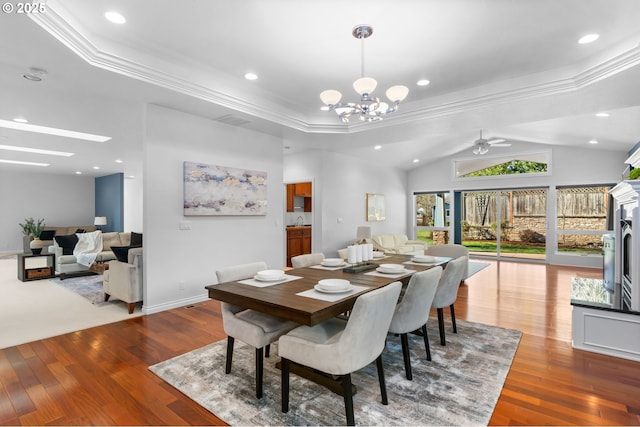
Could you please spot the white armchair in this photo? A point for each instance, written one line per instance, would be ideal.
(123, 280)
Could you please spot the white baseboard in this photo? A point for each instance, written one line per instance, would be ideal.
(150, 309)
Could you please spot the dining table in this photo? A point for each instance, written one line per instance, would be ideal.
(296, 296)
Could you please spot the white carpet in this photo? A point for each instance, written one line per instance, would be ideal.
(40, 309)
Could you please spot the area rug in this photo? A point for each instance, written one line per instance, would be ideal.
(460, 386)
(90, 287)
(476, 266)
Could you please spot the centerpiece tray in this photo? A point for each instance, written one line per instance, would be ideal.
(359, 268)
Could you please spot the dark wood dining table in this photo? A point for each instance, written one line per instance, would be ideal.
(281, 300)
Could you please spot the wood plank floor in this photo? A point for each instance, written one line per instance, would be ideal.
(100, 376)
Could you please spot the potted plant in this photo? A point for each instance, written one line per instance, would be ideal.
(634, 173)
(32, 229)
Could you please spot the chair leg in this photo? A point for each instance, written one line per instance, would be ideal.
(259, 369)
(441, 326)
(230, 341)
(348, 399)
(426, 341)
(406, 356)
(284, 375)
(383, 384)
(453, 319)
(267, 350)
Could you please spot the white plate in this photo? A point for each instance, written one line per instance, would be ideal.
(269, 279)
(332, 262)
(334, 284)
(424, 258)
(269, 274)
(387, 271)
(337, 291)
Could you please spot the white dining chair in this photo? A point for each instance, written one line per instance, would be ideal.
(339, 347)
(249, 326)
(447, 293)
(450, 251)
(412, 312)
(307, 260)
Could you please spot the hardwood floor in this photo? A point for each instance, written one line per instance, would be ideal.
(100, 376)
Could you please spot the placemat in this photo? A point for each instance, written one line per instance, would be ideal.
(260, 284)
(406, 272)
(312, 293)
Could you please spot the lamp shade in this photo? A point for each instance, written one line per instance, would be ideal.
(365, 85)
(330, 97)
(397, 93)
(100, 220)
(363, 232)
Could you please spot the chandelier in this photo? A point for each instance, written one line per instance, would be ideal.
(369, 108)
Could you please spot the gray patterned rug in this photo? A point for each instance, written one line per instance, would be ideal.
(89, 287)
(459, 387)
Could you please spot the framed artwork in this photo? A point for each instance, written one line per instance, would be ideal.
(375, 207)
(221, 190)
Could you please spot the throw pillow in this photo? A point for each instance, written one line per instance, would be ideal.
(122, 252)
(67, 243)
(47, 234)
(136, 239)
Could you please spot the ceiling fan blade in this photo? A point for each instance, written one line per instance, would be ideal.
(500, 145)
(495, 140)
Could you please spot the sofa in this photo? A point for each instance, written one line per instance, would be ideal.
(67, 263)
(123, 280)
(49, 233)
(397, 244)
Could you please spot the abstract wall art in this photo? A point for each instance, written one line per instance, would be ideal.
(221, 190)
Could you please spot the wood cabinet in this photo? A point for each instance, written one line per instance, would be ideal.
(298, 242)
(302, 189)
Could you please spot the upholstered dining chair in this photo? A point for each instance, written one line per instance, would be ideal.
(412, 312)
(340, 347)
(252, 327)
(307, 260)
(451, 251)
(447, 293)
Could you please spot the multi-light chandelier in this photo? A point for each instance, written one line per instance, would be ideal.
(369, 109)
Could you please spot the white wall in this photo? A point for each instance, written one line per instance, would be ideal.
(340, 187)
(189, 258)
(60, 199)
(570, 166)
(133, 191)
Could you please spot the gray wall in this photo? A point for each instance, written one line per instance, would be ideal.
(60, 199)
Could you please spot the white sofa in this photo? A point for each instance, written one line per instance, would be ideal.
(397, 244)
(68, 264)
(123, 280)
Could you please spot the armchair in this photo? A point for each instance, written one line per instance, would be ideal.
(123, 280)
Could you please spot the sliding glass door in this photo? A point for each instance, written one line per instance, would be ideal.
(505, 223)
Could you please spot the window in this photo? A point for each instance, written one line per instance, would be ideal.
(432, 217)
(486, 166)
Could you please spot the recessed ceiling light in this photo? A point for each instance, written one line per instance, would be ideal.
(131, 176)
(593, 141)
(589, 38)
(251, 76)
(96, 167)
(35, 151)
(17, 162)
(602, 114)
(118, 161)
(35, 74)
(20, 119)
(78, 173)
(416, 160)
(423, 82)
(324, 108)
(53, 131)
(115, 17)
(377, 147)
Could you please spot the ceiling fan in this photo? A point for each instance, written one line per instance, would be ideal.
(481, 145)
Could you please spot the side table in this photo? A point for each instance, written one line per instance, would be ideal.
(26, 272)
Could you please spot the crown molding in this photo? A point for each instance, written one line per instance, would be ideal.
(66, 33)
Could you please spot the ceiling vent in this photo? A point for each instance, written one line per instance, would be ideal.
(232, 120)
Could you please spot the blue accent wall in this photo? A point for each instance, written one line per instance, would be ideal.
(109, 192)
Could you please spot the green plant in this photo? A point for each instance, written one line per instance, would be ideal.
(32, 228)
(634, 173)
